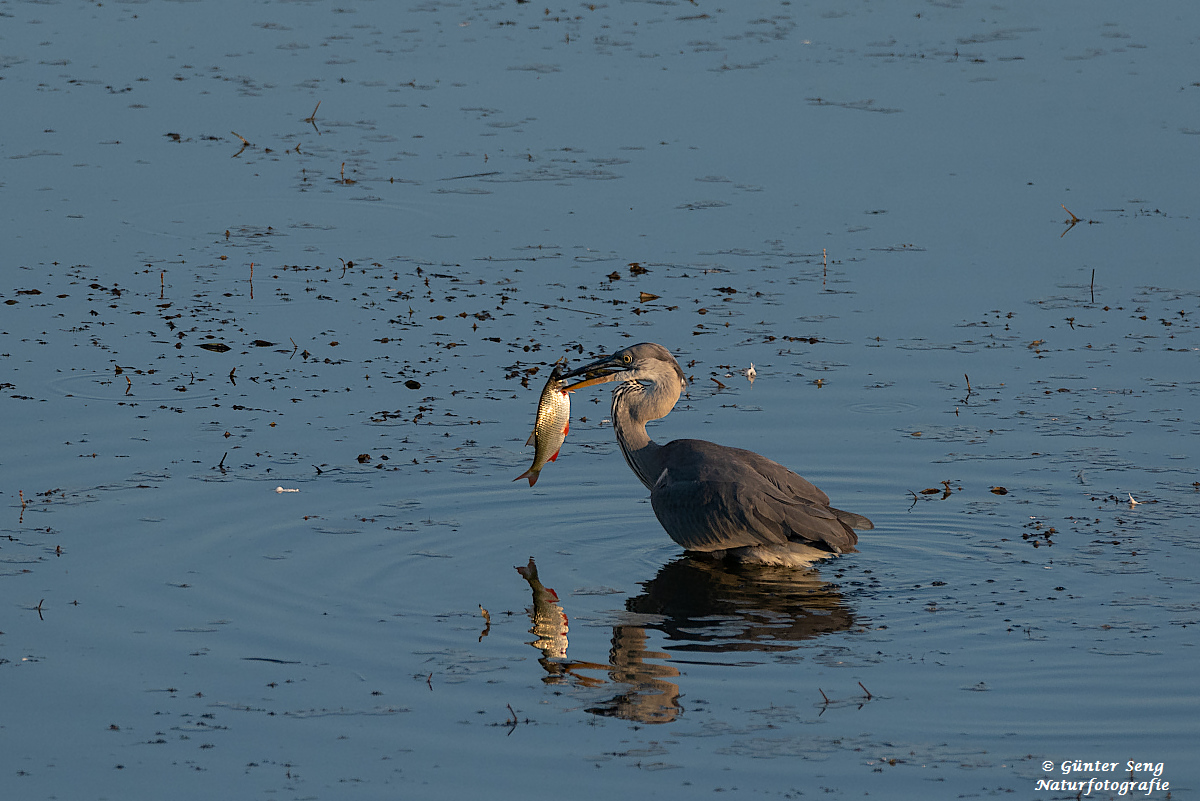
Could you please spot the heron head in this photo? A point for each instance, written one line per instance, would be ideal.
(644, 362)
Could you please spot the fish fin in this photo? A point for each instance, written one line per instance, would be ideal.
(532, 438)
(566, 428)
(529, 474)
(553, 458)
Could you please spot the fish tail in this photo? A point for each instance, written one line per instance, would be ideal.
(530, 474)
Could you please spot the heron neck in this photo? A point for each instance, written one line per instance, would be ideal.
(641, 453)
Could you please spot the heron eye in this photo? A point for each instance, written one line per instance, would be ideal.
(627, 358)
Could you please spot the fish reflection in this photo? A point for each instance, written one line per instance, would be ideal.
(700, 606)
(547, 616)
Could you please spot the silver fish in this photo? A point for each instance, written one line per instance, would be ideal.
(550, 429)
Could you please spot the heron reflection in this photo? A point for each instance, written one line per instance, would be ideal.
(700, 607)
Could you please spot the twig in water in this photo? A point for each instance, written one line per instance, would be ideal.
(552, 306)
(1071, 223)
(311, 119)
(39, 609)
(1093, 285)
(865, 690)
(472, 175)
(487, 618)
(429, 681)
(245, 144)
(221, 464)
(823, 695)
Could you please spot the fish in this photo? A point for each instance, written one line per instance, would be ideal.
(552, 424)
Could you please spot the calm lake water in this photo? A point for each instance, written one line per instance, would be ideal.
(280, 289)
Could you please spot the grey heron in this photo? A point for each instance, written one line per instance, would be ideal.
(711, 498)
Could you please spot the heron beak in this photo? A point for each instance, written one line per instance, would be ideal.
(600, 371)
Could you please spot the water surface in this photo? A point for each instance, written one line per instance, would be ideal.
(215, 289)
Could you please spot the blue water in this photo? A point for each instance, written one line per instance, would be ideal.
(262, 571)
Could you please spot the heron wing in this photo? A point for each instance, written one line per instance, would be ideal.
(707, 515)
(710, 497)
(796, 486)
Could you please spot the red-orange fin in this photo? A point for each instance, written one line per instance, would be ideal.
(554, 457)
(529, 474)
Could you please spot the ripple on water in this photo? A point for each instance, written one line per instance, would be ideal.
(304, 221)
(110, 387)
(883, 407)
